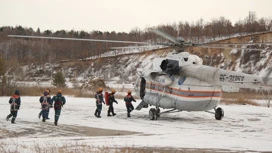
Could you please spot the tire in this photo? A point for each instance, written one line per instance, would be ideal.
(219, 113)
(152, 113)
(158, 112)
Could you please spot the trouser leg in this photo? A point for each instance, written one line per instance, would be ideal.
(96, 112)
(128, 111)
(40, 114)
(9, 115)
(110, 110)
(14, 115)
(57, 114)
(99, 108)
(47, 113)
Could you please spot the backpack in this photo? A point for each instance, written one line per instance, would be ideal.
(44, 101)
(13, 105)
(58, 103)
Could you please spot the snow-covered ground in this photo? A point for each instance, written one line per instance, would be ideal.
(244, 128)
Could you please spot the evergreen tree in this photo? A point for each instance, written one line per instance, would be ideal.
(59, 80)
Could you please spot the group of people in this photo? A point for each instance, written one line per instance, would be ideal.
(111, 99)
(58, 101)
(46, 103)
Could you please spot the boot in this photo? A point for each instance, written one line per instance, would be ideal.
(56, 123)
(8, 117)
(43, 119)
(113, 114)
(13, 120)
(128, 115)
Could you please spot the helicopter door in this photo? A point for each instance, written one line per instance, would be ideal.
(142, 88)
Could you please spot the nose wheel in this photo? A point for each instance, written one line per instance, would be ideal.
(219, 113)
(154, 113)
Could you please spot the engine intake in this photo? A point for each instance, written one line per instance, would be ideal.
(170, 66)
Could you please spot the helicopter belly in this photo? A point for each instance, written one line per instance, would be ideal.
(157, 100)
(185, 104)
(196, 105)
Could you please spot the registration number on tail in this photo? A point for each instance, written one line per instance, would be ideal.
(231, 78)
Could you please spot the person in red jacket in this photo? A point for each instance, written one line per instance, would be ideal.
(128, 99)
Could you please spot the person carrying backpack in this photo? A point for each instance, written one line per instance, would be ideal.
(99, 100)
(111, 100)
(15, 103)
(45, 101)
(58, 101)
(128, 99)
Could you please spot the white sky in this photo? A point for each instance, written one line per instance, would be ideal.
(122, 15)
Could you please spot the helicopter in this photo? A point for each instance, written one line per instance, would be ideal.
(181, 82)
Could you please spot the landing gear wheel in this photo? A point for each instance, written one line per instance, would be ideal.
(219, 113)
(152, 114)
(158, 112)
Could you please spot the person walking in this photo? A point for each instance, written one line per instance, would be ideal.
(45, 101)
(15, 103)
(99, 100)
(58, 101)
(111, 100)
(128, 99)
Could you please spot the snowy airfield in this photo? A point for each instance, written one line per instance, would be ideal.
(243, 129)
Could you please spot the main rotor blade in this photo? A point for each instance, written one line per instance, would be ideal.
(77, 39)
(231, 48)
(253, 43)
(165, 35)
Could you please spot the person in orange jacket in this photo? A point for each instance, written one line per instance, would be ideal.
(128, 99)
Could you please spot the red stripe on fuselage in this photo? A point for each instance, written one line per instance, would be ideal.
(215, 94)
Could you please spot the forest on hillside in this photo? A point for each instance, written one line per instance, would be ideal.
(27, 51)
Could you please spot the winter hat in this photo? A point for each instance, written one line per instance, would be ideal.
(59, 91)
(17, 92)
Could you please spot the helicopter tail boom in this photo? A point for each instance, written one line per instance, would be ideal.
(222, 77)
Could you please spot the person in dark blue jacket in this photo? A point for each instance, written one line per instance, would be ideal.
(58, 101)
(128, 99)
(45, 101)
(111, 100)
(99, 100)
(15, 103)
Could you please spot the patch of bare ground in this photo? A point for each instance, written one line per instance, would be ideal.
(244, 97)
(240, 101)
(45, 130)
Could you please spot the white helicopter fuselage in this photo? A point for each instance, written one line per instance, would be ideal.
(183, 83)
(184, 93)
